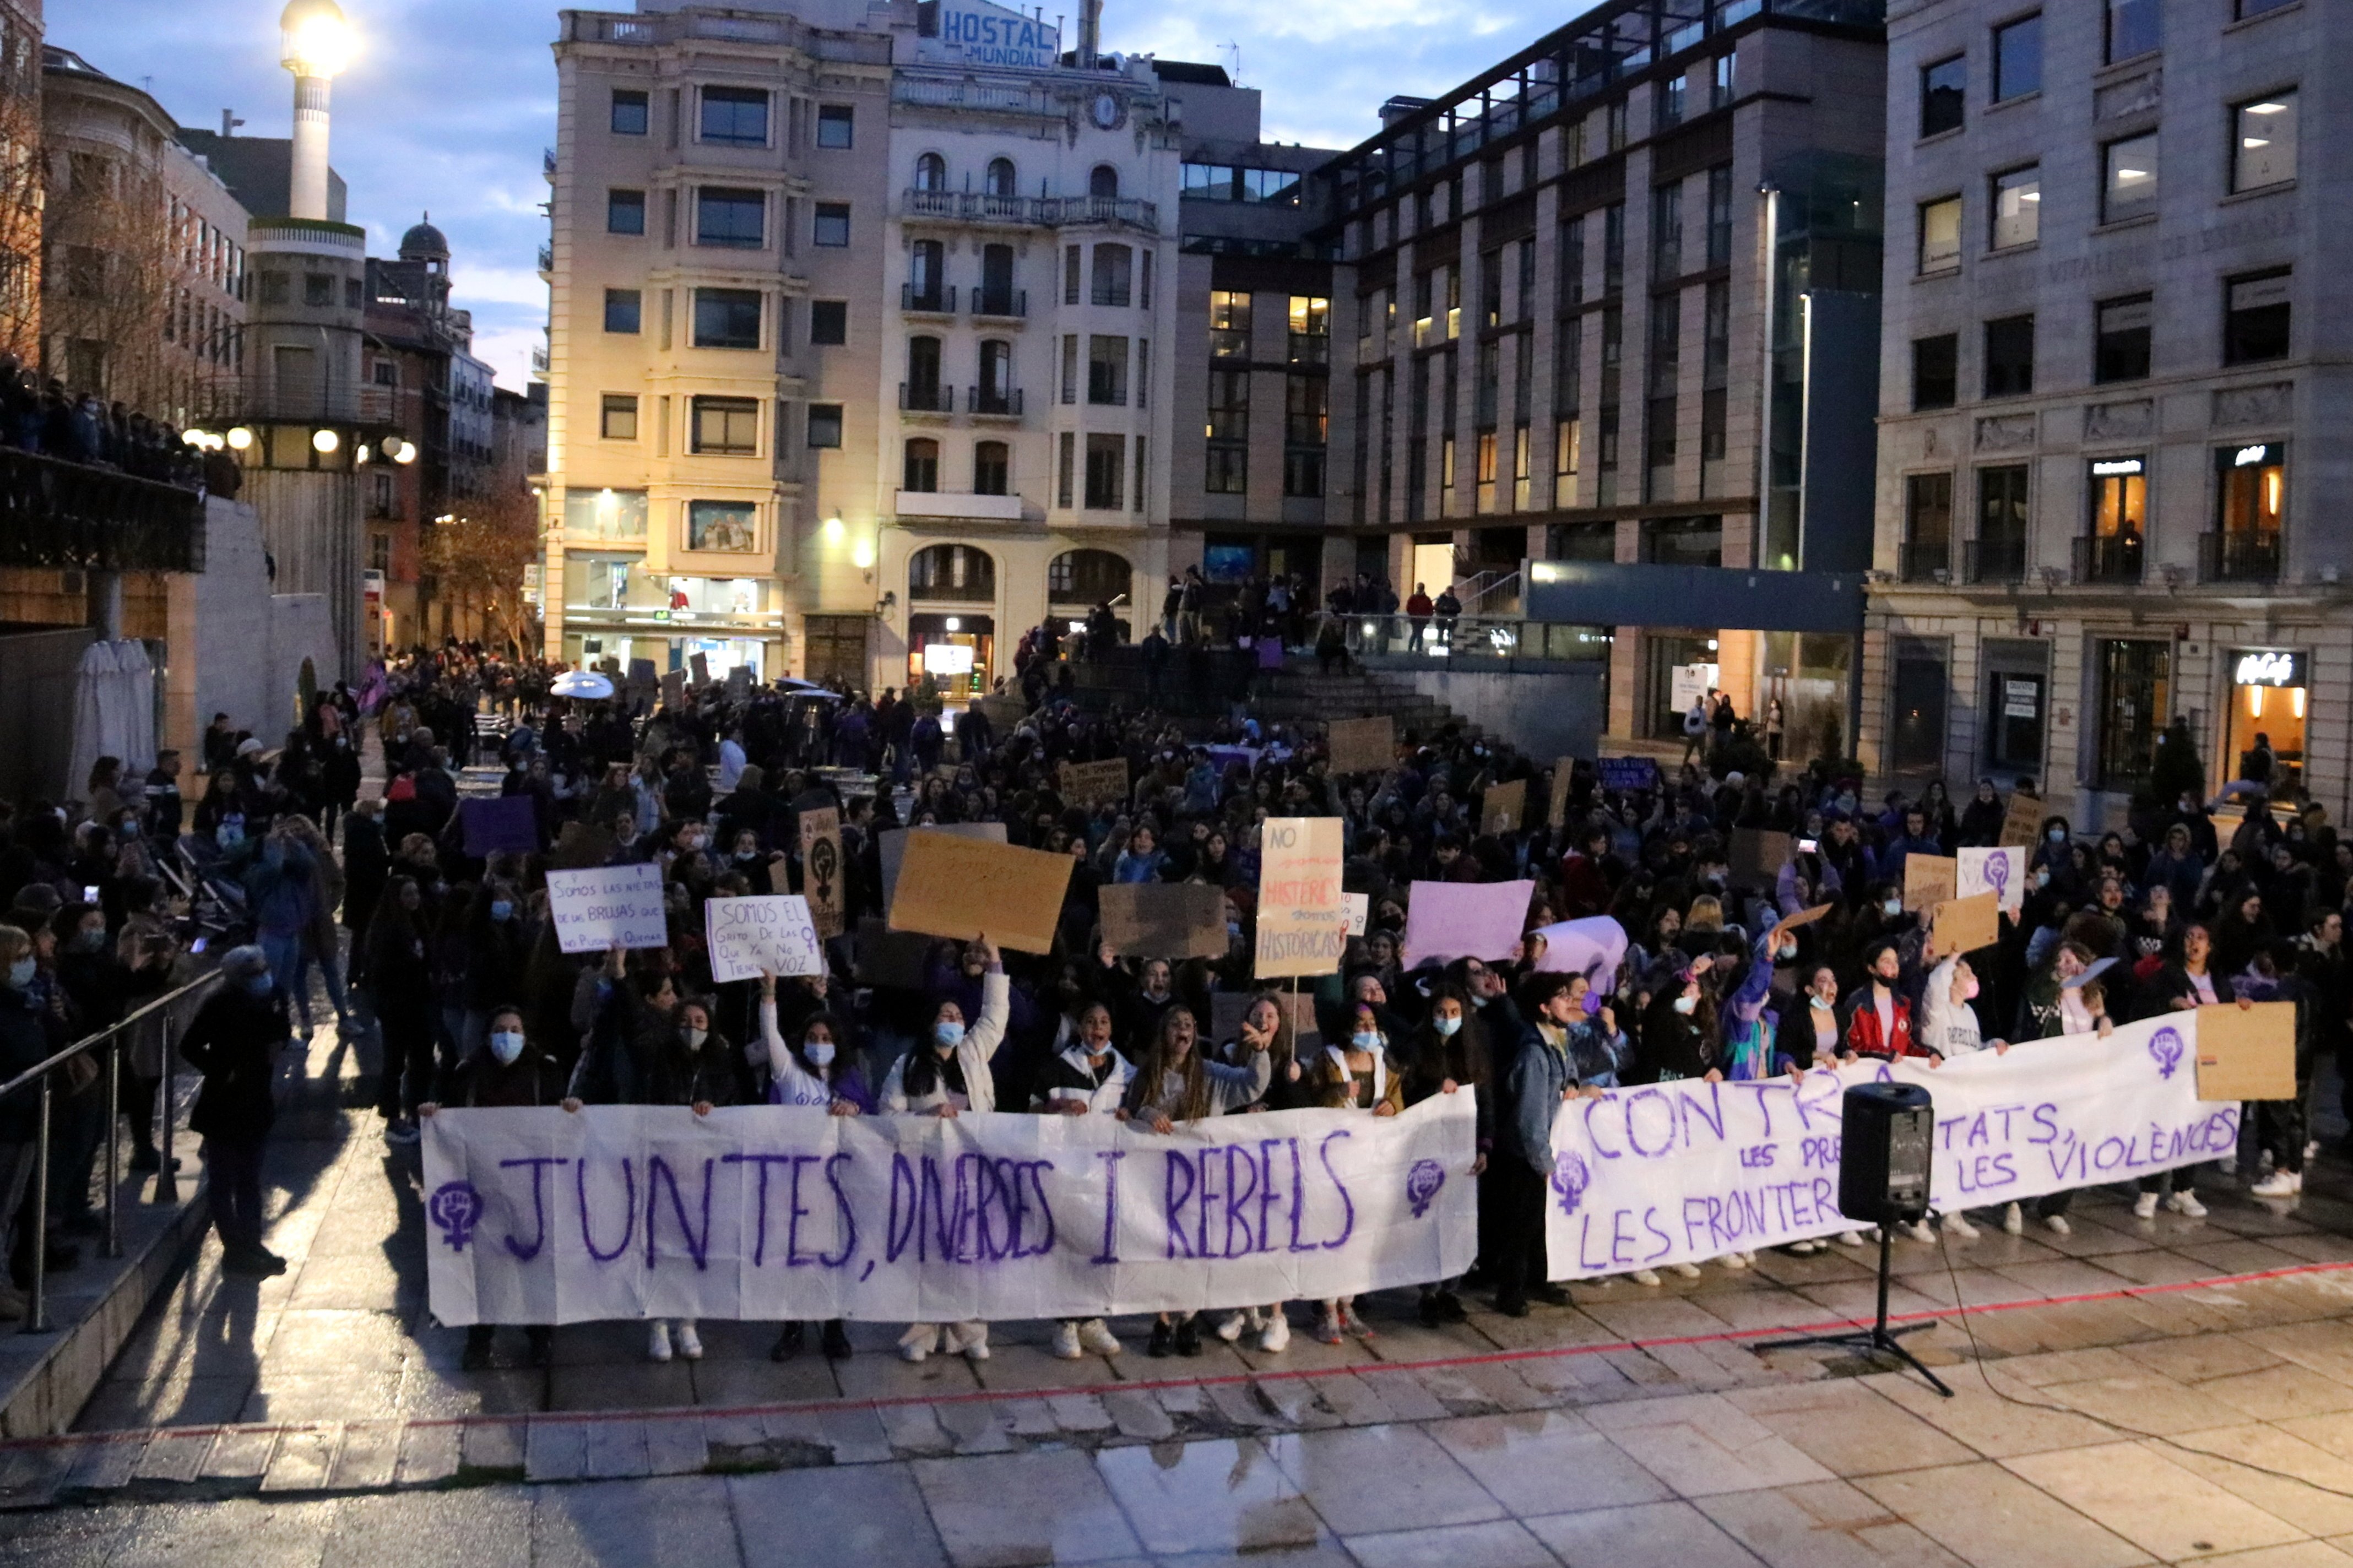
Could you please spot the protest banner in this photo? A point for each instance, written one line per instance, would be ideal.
(1446, 920)
(1094, 783)
(1360, 912)
(781, 1213)
(1501, 808)
(1164, 920)
(1627, 773)
(894, 846)
(607, 905)
(701, 665)
(1594, 947)
(885, 957)
(746, 936)
(1758, 854)
(2021, 821)
(1682, 1171)
(821, 870)
(1363, 745)
(1963, 925)
(2001, 872)
(582, 844)
(2247, 1053)
(673, 689)
(1564, 773)
(962, 888)
(1302, 926)
(1927, 880)
(508, 824)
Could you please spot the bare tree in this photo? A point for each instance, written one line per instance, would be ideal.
(110, 274)
(476, 561)
(22, 178)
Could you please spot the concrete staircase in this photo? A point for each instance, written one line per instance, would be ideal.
(1301, 692)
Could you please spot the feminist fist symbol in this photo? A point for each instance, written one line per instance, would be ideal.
(1997, 873)
(1422, 1184)
(456, 1207)
(2165, 1046)
(1569, 1180)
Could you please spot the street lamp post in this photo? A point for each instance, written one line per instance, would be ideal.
(316, 44)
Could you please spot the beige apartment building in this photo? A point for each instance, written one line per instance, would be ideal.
(852, 337)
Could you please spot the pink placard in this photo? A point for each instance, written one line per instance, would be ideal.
(1446, 920)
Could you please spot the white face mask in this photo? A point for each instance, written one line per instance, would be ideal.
(819, 1052)
(695, 1039)
(1819, 1000)
(1892, 908)
(1687, 1005)
(506, 1045)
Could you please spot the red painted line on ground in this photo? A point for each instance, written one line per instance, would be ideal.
(1487, 1358)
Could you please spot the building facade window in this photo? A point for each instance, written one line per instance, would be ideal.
(824, 425)
(726, 526)
(1940, 234)
(2018, 207)
(2132, 28)
(2121, 351)
(1306, 427)
(625, 213)
(726, 318)
(1066, 466)
(1230, 324)
(2250, 501)
(2255, 317)
(836, 124)
(735, 116)
(1311, 329)
(831, 225)
(1229, 432)
(727, 427)
(2129, 184)
(731, 219)
(931, 172)
(828, 323)
(2018, 59)
(2009, 356)
(921, 467)
(1572, 263)
(629, 112)
(624, 311)
(2264, 146)
(1944, 94)
(1000, 179)
(620, 417)
(1935, 372)
(992, 469)
(1106, 472)
(1719, 216)
(1106, 371)
(1667, 104)
(1667, 232)
(1999, 548)
(1927, 527)
(1720, 82)
(2136, 682)
(1114, 274)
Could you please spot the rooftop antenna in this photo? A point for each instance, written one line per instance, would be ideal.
(1235, 44)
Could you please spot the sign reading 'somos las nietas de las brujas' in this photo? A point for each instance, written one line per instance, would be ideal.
(969, 32)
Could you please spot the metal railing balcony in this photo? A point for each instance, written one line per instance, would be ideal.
(1925, 561)
(998, 404)
(2239, 555)
(926, 399)
(933, 301)
(1994, 559)
(62, 516)
(1008, 305)
(2109, 558)
(1032, 212)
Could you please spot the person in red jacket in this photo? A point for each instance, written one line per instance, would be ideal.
(1880, 1024)
(1584, 885)
(1418, 611)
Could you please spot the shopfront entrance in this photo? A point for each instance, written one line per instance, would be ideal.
(975, 635)
(2266, 710)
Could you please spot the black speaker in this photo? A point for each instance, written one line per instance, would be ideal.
(1884, 1153)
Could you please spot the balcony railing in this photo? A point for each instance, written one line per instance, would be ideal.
(59, 515)
(1032, 212)
(650, 31)
(230, 398)
(926, 399)
(2239, 555)
(2109, 558)
(933, 301)
(1920, 561)
(1001, 404)
(1995, 560)
(1009, 304)
(547, 162)
(546, 259)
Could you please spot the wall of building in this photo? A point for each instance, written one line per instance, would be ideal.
(245, 644)
(1547, 712)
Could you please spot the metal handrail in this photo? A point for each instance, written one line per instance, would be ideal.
(167, 1188)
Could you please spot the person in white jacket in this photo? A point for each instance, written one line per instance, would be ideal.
(1949, 1030)
(947, 1076)
(1088, 1077)
(813, 1073)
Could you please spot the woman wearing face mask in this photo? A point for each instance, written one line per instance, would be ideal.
(98, 987)
(1358, 1076)
(1264, 1028)
(1446, 1054)
(507, 1071)
(1087, 1078)
(1949, 1030)
(232, 1041)
(2191, 981)
(1174, 1082)
(1807, 1036)
(943, 1076)
(400, 990)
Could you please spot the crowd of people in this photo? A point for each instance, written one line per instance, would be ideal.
(81, 427)
(456, 984)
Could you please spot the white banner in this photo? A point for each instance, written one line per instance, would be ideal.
(2001, 872)
(773, 1213)
(1682, 1171)
(594, 910)
(774, 934)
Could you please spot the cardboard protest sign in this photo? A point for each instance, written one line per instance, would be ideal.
(1564, 772)
(1964, 925)
(1627, 773)
(701, 665)
(953, 885)
(1164, 920)
(582, 844)
(1360, 912)
(749, 936)
(673, 689)
(596, 910)
(1446, 920)
(1092, 784)
(2247, 1053)
(1002, 713)
(822, 868)
(508, 823)
(2021, 821)
(1500, 807)
(1363, 745)
(1302, 926)
(1927, 880)
(2001, 872)
(887, 957)
(894, 846)
(1757, 855)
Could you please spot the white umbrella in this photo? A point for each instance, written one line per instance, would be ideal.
(582, 683)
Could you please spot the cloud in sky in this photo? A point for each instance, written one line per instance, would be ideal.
(449, 101)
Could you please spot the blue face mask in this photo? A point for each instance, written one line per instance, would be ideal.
(1365, 1040)
(20, 973)
(501, 910)
(1445, 1027)
(257, 986)
(947, 1036)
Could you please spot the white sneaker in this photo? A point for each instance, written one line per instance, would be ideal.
(658, 1342)
(1231, 1329)
(1959, 1224)
(2145, 1207)
(1804, 1249)
(916, 1343)
(2058, 1224)
(1688, 1270)
(1096, 1336)
(2310, 1149)
(2185, 1204)
(1918, 1231)
(1066, 1341)
(1276, 1335)
(1645, 1276)
(689, 1343)
(1733, 1260)
(2014, 1221)
(2278, 1185)
(973, 1341)
(1849, 1238)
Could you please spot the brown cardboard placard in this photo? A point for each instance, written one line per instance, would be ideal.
(885, 957)
(581, 846)
(1164, 920)
(2247, 1053)
(1363, 745)
(1928, 880)
(701, 665)
(1757, 853)
(1562, 773)
(1092, 784)
(2021, 821)
(894, 845)
(822, 870)
(1501, 808)
(1964, 925)
(957, 887)
(1303, 925)
(673, 687)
